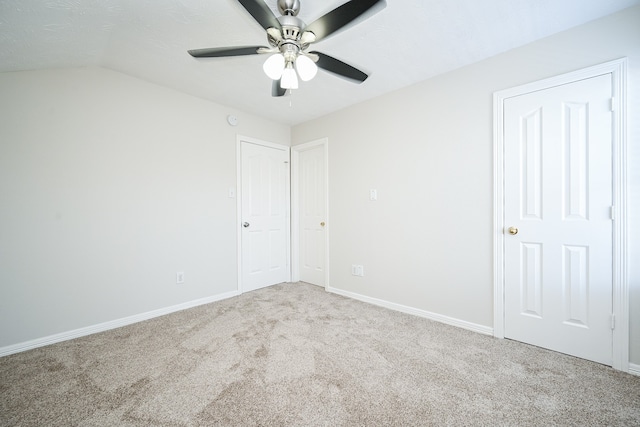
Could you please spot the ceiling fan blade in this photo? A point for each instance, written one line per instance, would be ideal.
(276, 90)
(341, 17)
(338, 67)
(261, 13)
(216, 52)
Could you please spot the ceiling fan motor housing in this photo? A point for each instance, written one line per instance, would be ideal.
(291, 27)
(289, 45)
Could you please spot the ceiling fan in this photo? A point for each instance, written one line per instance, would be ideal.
(290, 39)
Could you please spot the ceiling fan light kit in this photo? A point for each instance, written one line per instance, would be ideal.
(289, 79)
(274, 66)
(307, 69)
(290, 38)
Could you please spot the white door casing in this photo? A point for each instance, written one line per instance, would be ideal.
(563, 248)
(263, 206)
(310, 212)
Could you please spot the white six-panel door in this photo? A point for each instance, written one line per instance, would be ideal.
(264, 215)
(557, 216)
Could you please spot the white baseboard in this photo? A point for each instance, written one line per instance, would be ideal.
(486, 330)
(634, 369)
(101, 327)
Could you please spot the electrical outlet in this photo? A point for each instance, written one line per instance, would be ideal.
(180, 277)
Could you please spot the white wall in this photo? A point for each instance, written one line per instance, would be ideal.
(108, 186)
(427, 242)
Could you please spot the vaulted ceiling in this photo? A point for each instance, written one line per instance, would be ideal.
(408, 41)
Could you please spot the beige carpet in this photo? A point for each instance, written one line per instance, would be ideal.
(294, 355)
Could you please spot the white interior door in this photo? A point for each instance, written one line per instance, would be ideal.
(312, 221)
(558, 199)
(264, 215)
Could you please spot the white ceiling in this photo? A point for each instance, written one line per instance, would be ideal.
(408, 41)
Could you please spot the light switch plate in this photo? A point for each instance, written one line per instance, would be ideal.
(357, 270)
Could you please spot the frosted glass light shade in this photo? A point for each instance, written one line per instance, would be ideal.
(289, 78)
(307, 69)
(274, 66)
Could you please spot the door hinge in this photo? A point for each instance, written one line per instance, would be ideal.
(613, 212)
(613, 104)
(613, 321)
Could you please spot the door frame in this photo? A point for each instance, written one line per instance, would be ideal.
(295, 207)
(239, 140)
(618, 70)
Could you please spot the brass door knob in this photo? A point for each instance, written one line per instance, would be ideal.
(513, 231)
(322, 224)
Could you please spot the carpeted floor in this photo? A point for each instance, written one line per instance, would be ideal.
(294, 355)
